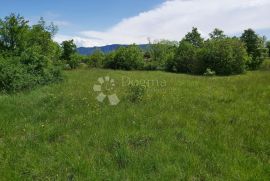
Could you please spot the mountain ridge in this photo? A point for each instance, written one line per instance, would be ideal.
(105, 49)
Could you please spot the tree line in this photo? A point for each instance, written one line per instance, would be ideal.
(219, 54)
(29, 56)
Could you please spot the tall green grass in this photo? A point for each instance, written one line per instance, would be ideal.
(194, 128)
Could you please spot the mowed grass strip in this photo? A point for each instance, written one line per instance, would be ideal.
(193, 128)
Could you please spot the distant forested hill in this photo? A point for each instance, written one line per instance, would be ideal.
(105, 49)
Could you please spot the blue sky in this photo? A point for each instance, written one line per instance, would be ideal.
(78, 15)
(101, 22)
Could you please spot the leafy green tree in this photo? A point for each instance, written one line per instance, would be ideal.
(128, 58)
(194, 37)
(14, 75)
(84, 59)
(217, 34)
(28, 54)
(96, 59)
(74, 61)
(41, 36)
(185, 58)
(160, 52)
(109, 60)
(255, 48)
(268, 47)
(69, 48)
(252, 41)
(224, 57)
(13, 32)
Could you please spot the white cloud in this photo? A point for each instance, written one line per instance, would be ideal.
(85, 42)
(173, 19)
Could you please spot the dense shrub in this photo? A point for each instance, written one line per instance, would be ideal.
(74, 61)
(151, 65)
(220, 54)
(185, 58)
(34, 61)
(96, 59)
(257, 58)
(84, 59)
(109, 60)
(265, 65)
(268, 47)
(126, 58)
(170, 65)
(14, 76)
(158, 54)
(135, 93)
(28, 54)
(225, 56)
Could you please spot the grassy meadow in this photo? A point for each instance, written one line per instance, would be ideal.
(192, 128)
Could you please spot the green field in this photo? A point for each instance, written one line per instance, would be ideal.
(194, 128)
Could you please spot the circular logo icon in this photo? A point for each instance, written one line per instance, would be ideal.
(106, 89)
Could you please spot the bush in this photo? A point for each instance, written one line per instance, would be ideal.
(136, 93)
(85, 59)
(158, 54)
(96, 59)
(51, 74)
(29, 55)
(186, 59)
(268, 47)
(74, 61)
(109, 60)
(151, 65)
(34, 61)
(14, 76)
(224, 56)
(127, 58)
(265, 65)
(257, 58)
